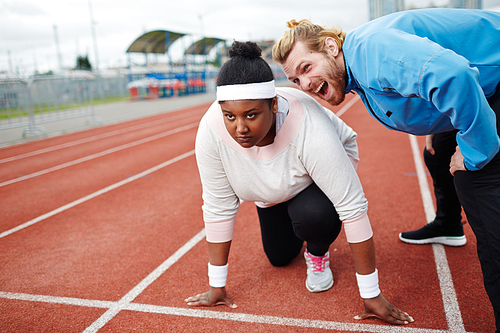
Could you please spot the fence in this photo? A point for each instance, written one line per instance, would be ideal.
(14, 103)
(42, 99)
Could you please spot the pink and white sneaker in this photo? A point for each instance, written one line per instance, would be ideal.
(319, 274)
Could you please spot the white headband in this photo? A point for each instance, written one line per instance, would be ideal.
(235, 92)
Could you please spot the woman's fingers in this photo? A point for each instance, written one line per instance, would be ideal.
(228, 303)
(399, 317)
(205, 299)
(393, 318)
(380, 308)
(200, 299)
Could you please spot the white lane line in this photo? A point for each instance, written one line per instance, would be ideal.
(348, 105)
(132, 294)
(450, 302)
(97, 137)
(273, 320)
(100, 154)
(58, 300)
(210, 314)
(95, 194)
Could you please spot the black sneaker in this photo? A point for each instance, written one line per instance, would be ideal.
(431, 233)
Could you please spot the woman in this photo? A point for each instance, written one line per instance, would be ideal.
(296, 160)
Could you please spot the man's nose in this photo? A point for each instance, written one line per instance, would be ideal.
(305, 83)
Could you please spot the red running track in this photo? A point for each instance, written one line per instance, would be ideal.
(101, 231)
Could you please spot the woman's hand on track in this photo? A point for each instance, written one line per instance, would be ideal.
(215, 296)
(379, 307)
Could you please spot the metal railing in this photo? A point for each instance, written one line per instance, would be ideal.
(56, 98)
(14, 103)
(42, 99)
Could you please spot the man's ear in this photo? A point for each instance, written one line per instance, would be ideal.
(331, 46)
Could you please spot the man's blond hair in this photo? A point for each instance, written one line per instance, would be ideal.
(312, 35)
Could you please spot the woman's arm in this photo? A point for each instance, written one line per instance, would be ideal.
(364, 256)
(218, 254)
(364, 261)
(220, 205)
(327, 162)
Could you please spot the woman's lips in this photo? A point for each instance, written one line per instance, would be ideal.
(244, 139)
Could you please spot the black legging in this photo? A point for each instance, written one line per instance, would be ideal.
(309, 216)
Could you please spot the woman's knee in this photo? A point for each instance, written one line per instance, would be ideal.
(280, 259)
(320, 228)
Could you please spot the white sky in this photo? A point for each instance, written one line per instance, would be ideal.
(27, 26)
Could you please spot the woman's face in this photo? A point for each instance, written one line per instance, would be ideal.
(250, 122)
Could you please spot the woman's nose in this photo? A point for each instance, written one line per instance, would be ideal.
(241, 126)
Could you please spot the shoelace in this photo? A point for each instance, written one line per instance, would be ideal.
(318, 263)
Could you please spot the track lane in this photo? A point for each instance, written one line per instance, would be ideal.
(97, 136)
(44, 143)
(114, 148)
(102, 248)
(20, 168)
(55, 189)
(392, 209)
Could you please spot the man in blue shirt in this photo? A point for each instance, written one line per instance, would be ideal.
(432, 71)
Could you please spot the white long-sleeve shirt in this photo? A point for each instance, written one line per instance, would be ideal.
(312, 145)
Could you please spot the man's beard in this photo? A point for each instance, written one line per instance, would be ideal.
(336, 79)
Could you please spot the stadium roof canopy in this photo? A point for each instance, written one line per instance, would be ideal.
(157, 41)
(203, 46)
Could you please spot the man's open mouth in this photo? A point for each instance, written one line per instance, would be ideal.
(322, 89)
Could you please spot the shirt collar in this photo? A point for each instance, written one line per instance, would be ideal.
(351, 82)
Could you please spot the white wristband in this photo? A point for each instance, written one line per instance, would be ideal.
(217, 275)
(368, 285)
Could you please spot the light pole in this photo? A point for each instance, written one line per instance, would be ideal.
(92, 25)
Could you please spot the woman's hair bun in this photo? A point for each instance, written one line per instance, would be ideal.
(245, 65)
(246, 50)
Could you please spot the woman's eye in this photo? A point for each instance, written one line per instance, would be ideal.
(251, 115)
(229, 116)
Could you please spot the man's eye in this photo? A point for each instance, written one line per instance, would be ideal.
(306, 67)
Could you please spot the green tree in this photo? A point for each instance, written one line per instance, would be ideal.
(83, 63)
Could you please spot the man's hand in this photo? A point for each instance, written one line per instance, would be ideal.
(380, 308)
(428, 144)
(457, 162)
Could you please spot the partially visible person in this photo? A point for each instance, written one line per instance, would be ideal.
(447, 227)
(296, 160)
(423, 72)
